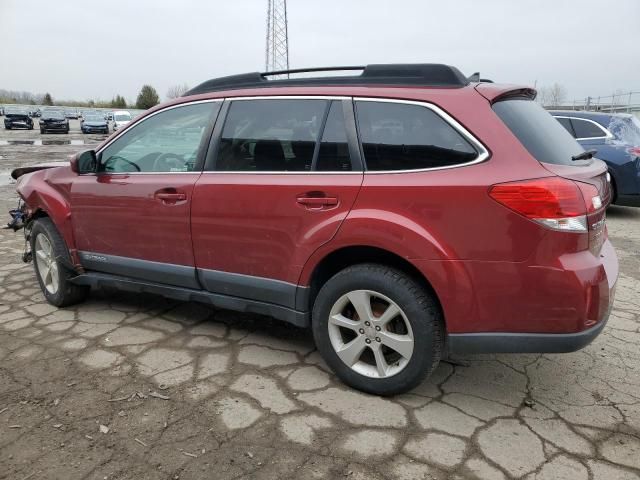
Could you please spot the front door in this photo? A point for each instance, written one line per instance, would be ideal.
(280, 184)
(132, 217)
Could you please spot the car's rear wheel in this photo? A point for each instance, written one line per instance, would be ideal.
(49, 251)
(378, 329)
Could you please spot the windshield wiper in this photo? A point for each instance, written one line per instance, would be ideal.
(586, 155)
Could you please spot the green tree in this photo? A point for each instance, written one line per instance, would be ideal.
(47, 100)
(119, 102)
(147, 98)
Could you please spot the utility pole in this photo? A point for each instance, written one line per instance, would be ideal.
(277, 48)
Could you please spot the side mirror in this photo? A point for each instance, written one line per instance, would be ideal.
(85, 162)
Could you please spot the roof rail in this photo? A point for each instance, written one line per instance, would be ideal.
(411, 74)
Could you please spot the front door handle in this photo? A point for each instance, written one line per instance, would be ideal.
(170, 195)
(317, 203)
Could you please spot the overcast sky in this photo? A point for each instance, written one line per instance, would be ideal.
(77, 49)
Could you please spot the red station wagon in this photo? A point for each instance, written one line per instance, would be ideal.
(403, 214)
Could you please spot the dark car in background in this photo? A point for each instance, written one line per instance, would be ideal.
(54, 121)
(94, 123)
(71, 113)
(16, 117)
(616, 138)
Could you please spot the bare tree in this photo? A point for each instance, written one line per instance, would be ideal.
(553, 96)
(176, 91)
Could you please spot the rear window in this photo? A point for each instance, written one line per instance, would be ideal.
(538, 131)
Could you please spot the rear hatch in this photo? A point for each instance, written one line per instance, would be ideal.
(555, 149)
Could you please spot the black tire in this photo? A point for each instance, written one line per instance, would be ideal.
(41, 131)
(421, 311)
(7, 127)
(67, 293)
(31, 127)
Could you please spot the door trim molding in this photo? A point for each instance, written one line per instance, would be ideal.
(135, 268)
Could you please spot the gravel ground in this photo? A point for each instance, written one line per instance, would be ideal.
(139, 387)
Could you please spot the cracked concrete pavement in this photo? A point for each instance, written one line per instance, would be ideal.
(139, 387)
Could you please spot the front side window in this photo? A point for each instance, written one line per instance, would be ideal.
(166, 142)
(586, 129)
(397, 136)
(271, 135)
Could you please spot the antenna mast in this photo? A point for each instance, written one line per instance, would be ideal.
(277, 49)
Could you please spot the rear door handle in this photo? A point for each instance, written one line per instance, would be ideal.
(317, 202)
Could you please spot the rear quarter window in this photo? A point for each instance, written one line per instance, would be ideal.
(543, 137)
(399, 136)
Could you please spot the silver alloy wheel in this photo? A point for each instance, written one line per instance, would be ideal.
(370, 333)
(47, 265)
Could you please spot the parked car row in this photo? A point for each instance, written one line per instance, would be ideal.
(57, 119)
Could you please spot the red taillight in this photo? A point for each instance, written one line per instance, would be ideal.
(553, 197)
(635, 151)
(555, 202)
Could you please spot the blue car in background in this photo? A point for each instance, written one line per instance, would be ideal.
(616, 137)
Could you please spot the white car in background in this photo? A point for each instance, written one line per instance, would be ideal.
(120, 119)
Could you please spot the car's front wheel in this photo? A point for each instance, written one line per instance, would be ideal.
(378, 329)
(49, 251)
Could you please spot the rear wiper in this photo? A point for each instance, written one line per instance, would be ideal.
(586, 155)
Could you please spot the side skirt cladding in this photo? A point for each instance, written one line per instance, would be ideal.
(243, 293)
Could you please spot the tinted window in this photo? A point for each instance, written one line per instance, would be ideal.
(333, 155)
(566, 123)
(586, 129)
(270, 135)
(166, 142)
(398, 136)
(538, 131)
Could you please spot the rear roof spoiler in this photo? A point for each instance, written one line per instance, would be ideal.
(496, 92)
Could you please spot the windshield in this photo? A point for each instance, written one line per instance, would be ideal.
(122, 117)
(53, 114)
(625, 129)
(542, 135)
(94, 118)
(15, 111)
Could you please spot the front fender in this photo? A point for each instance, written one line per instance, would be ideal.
(47, 192)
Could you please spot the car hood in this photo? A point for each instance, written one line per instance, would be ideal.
(18, 172)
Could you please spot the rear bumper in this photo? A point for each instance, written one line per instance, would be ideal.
(472, 343)
(534, 306)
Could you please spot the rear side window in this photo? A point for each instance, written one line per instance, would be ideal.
(545, 139)
(566, 123)
(333, 155)
(398, 136)
(586, 129)
(270, 135)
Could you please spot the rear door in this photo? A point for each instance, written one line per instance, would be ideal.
(282, 176)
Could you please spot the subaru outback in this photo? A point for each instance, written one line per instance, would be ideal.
(404, 214)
